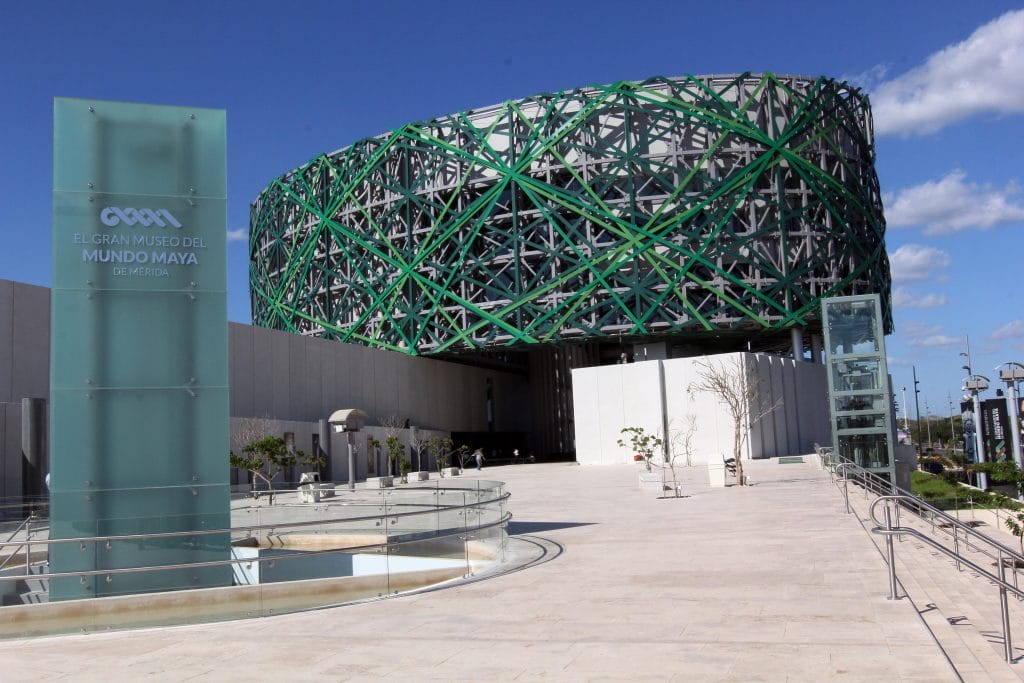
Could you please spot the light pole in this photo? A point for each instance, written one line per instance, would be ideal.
(906, 424)
(928, 421)
(952, 425)
(917, 408)
(1011, 374)
(977, 384)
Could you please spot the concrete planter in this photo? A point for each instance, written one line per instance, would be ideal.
(716, 473)
(419, 476)
(651, 481)
(380, 482)
(450, 472)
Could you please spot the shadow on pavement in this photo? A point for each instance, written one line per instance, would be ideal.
(517, 528)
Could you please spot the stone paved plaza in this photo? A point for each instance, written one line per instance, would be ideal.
(770, 582)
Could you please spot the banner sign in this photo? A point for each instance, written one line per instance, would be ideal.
(995, 421)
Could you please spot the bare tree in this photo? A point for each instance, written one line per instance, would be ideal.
(391, 424)
(246, 430)
(736, 384)
(682, 446)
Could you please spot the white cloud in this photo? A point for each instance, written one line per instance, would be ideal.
(904, 298)
(239, 235)
(936, 340)
(913, 262)
(984, 73)
(951, 204)
(1011, 330)
(869, 79)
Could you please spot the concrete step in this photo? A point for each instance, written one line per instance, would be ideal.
(974, 614)
(948, 602)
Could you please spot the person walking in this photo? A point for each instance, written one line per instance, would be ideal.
(479, 455)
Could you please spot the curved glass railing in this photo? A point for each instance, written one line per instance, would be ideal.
(312, 547)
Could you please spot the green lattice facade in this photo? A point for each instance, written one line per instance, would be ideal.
(687, 208)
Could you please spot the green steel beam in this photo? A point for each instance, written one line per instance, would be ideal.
(672, 207)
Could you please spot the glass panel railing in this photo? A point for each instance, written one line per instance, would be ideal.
(288, 555)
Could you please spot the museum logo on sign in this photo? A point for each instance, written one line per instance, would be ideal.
(113, 216)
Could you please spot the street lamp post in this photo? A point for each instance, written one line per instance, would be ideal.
(928, 422)
(906, 424)
(952, 425)
(1011, 374)
(917, 407)
(977, 384)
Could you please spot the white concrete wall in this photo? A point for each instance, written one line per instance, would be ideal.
(713, 437)
(608, 398)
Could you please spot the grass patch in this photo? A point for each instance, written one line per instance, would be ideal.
(947, 496)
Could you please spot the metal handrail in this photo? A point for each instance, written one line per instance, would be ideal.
(26, 524)
(262, 527)
(220, 563)
(895, 498)
(888, 530)
(883, 487)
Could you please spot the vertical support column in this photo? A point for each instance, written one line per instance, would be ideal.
(324, 433)
(816, 348)
(1014, 414)
(665, 447)
(33, 447)
(797, 338)
(979, 441)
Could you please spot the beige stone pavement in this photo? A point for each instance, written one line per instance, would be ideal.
(770, 582)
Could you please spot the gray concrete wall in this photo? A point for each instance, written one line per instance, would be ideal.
(288, 377)
(24, 369)
(291, 380)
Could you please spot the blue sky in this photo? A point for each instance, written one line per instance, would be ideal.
(946, 80)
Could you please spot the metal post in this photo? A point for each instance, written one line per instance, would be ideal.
(1005, 612)
(1014, 424)
(351, 463)
(979, 443)
(900, 537)
(846, 492)
(928, 421)
(917, 408)
(906, 412)
(890, 553)
(28, 543)
(956, 548)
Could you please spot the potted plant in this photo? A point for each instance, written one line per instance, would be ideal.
(641, 443)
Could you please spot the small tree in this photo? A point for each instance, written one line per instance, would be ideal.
(682, 446)
(268, 456)
(442, 448)
(640, 442)
(738, 386)
(396, 452)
